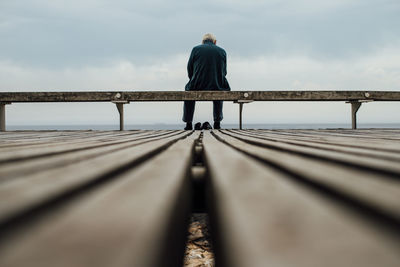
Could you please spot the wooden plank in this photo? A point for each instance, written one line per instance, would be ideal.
(42, 142)
(353, 149)
(356, 134)
(19, 195)
(334, 135)
(346, 140)
(27, 136)
(376, 165)
(374, 137)
(14, 142)
(17, 138)
(272, 95)
(338, 134)
(136, 219)
(9, 155)
(263, 218)
(373, 134)
(360, 185)
(27, 165)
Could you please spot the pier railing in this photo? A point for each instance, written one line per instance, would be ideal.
(120, 98)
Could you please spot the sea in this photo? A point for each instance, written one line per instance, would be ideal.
(112, 127)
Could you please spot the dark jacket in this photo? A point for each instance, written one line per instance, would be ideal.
(207, 68)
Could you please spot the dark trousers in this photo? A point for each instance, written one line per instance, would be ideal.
(188, 110)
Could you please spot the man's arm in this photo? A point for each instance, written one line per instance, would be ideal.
(225, 71)
(190, 64)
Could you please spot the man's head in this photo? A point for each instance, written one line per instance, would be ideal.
(208, 37)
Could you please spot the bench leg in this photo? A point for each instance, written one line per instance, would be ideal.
(120, 107)
(3, 117)
(241, 102)
(240, 115)
(354, 108)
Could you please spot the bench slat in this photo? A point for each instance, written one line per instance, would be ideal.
(272, 95)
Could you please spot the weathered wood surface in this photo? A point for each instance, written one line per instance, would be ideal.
(347, 174)
(267, 214)
(132, 96)
(109, 209)
(30, 185)
(276, 197)
(39, 149)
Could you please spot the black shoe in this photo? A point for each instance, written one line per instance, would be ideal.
(197, 126)
(206, 126)
(188, 126)
(217, 125)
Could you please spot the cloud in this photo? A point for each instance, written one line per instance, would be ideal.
(61, 34)
(377, 71)
(144, 45)
(165, 74)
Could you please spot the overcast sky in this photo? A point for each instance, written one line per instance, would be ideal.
(144, 45)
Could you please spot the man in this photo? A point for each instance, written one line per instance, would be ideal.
(207, 71)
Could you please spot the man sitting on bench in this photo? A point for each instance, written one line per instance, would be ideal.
(207, 71)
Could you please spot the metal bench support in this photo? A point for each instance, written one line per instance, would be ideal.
(3, 116)
(241, 102)
(240, 115)
(354, 108)
(120, 107)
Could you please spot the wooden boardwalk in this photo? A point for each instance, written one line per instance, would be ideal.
(275, 197)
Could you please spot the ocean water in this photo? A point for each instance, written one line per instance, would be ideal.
(181, 126)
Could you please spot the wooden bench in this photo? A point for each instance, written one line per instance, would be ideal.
(120, 98)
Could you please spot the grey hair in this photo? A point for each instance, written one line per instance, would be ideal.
(209, 37)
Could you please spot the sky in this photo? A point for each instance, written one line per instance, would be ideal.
(96, 45)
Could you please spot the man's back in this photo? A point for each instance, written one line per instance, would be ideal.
(207, 68)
